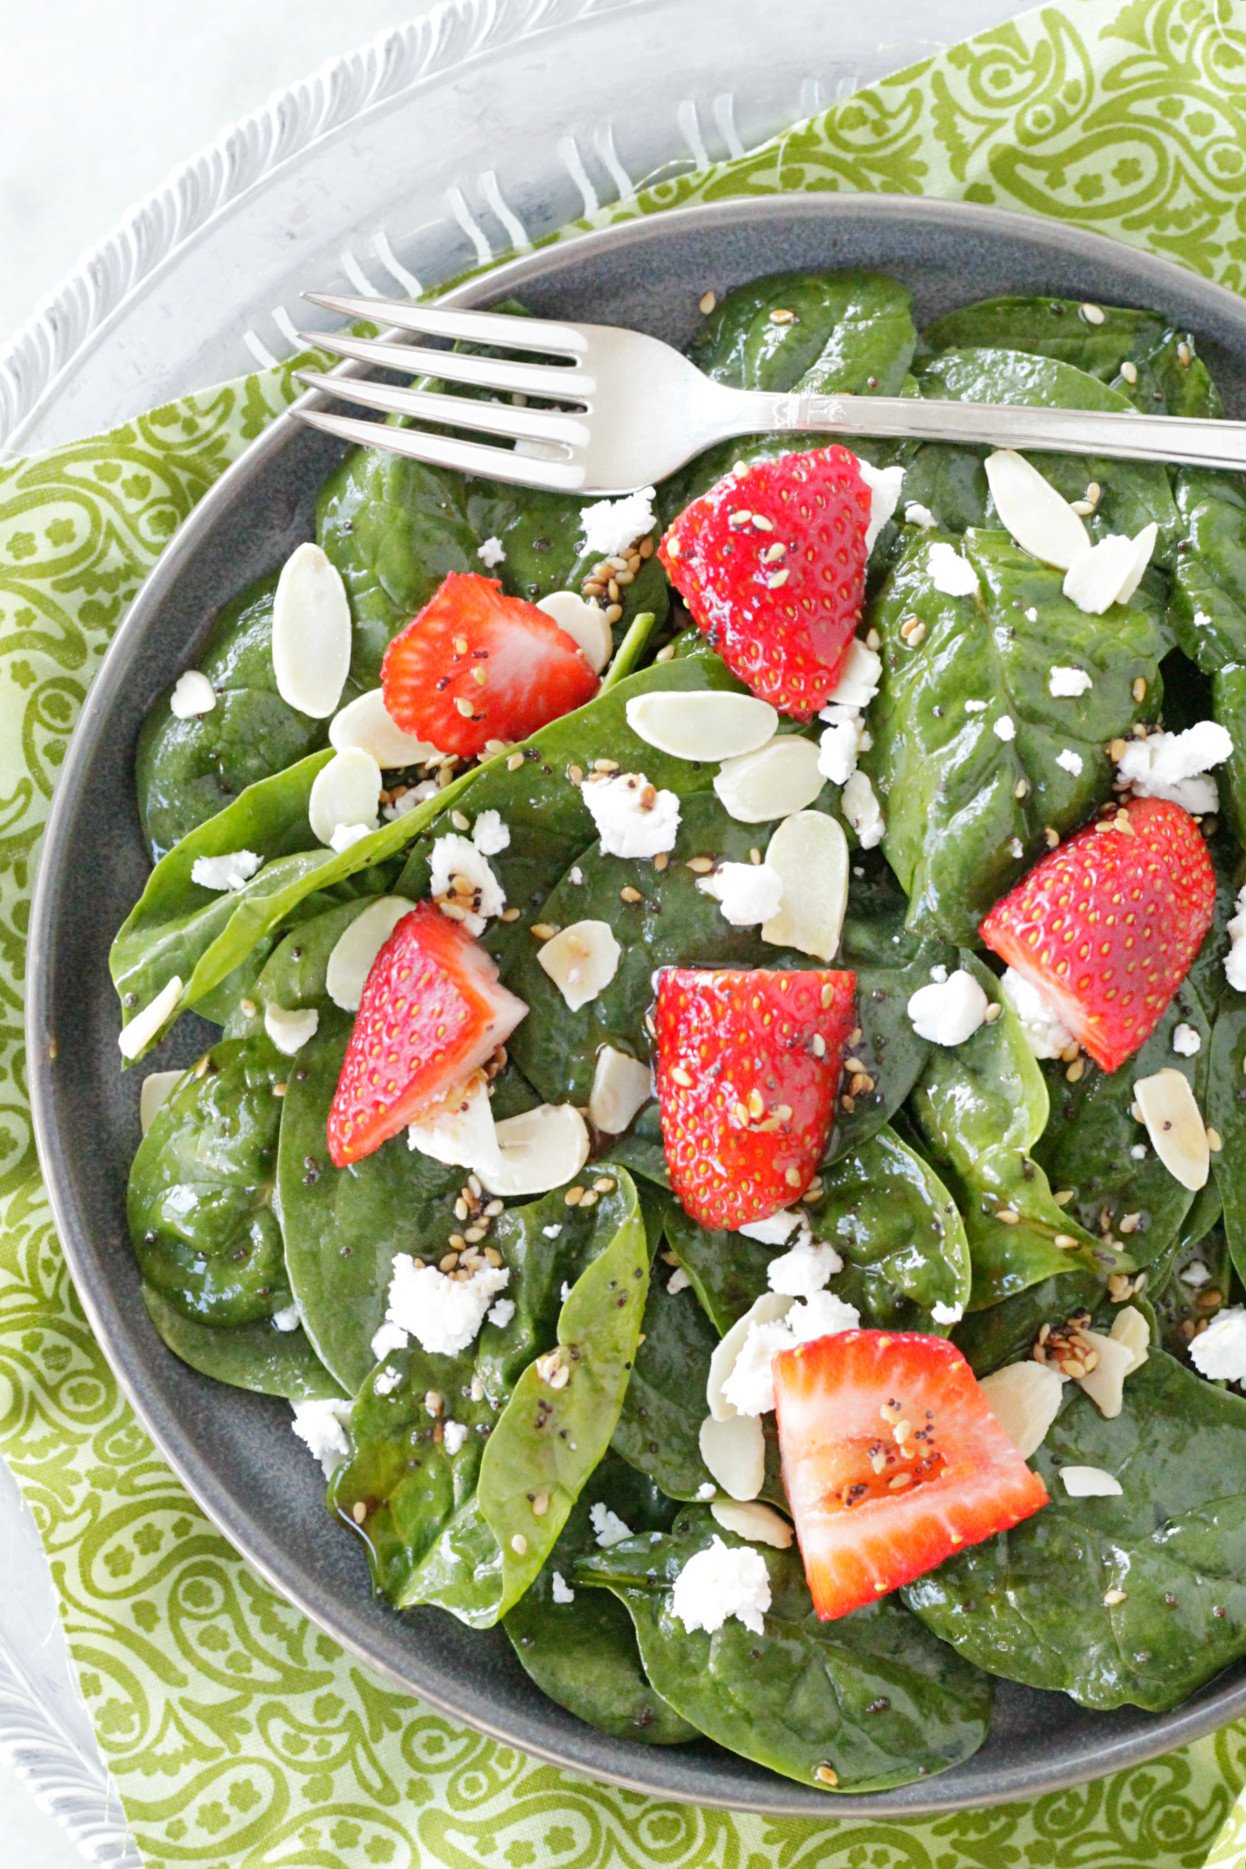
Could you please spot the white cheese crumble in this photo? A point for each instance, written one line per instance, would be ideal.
(552, 1232)
(193, 694)
(706, 1490)
(443, 1314)
(1235, 959)
(884, 484)
(807, 1267)
(1196, 1274)
(453, 1435)
(491, 552)
(287, 1319)
(291, 1030)
(947, 1012)
(750, 1386)
(1045, 1033)
(861, 808)
(388, 1337)
(976, 707)
(776, 1229)
(1173, 766)
(950, 572)
(461, 874)
(408, 800)
(840, 743)
(633, 818)
(859, 679)
(387, 1382)
(1068, 681)
(1219, 1352)
(321, 1426)
(677, 1282)
(916, 514)
(1186, 1041)
(608, 1527)
(1005, 728)
(490, 835)
(560, 1590)
(720, 1582)
(1070, 761)
(610, 526)
(947, 1313)
(232, 870)
(747, 893)
(501, 1313)
(343, 836)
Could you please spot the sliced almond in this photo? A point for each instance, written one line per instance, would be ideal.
(539, 1150)
(702, 726)
(584, 622)
(621, 1086)
(193, 694)
(859, 678)
(367, 723)
(290, 1030)
(1039, 519)
(357, 947)
(768, 1309)
(459, 1130)
(1089, 1483)
(1143, 547)
(1130, 1327)
(734, 1451)
(311, 633)
(150, 1020)
(810, 853)
(1025, 1399)
(778, 779)
(1176, 1127)
(1105, 1383)
(346, 792)
(581, 960)
(1095, 579)
(156, 1089)
(761, 1525)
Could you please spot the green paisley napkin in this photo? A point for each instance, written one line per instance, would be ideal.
(236, 1734)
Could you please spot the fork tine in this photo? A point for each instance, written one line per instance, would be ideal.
(525, 379)
(465, 457)
(493, 418)
(471, 327)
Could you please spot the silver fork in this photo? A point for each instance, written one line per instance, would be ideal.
(631, 409)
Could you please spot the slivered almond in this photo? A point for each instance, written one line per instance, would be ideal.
(538, 1151)
(1130, 1327)
(311, 634)
(761, 1525)
(357, 947)
(810, 853)
(367, 723)
(581, 960)
(778, 779)
(621, 1085)
(345, 792)
(1175, 1126)
(157, 1088)
(702, 726)
(734, 1451)
(1039, 519)
(1089, 1483)
(1025, 1399)
(584, 622)
(1105, 1383)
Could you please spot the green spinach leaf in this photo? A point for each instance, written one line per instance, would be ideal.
(1226, 1113)
(247, 1356)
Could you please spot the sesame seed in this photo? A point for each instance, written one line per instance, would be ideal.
(247, 1008)
(706, 303)
(359, 1512)
(1215, 1141)
(667, 654)
(826, 1774)
(464, 706)
(573, 1196)
(1129, 370)
(519, 1544)
(1093, 314)
(514, 762)
(781, 315)
(629, 894)
(1139, 689)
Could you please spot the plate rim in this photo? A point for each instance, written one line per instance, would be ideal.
(1028, 1779)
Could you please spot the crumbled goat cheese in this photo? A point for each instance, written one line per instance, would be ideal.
(1186, 1041)
(840, 744)
(560, 1590)
(747, 893)
(490, 835)
(1005, 728)
(564, 1290)
(408, 800)
(491, 552)
(1172, 765)
(947, 1313)
(947, 1012)
(501, 1313)
(777, 1229)
(461, 875)
(443, 1314)
(608, 1527)
(291, 1030)
(1045, 1033)
(610, 526)
(860, 807)
(706, 1490)
(859, 680)
(1068, 681)
(552, 1232)
(193, 694)
(1139, 1151)
(720, 1582)
(388, 1337)
(884, 484)
(288, 1318)
(387, 1382)
(1219, 1352)
(950, 572)
(976, 707)
(453, 1435)
(806, 1267)
(1196, 1274)
(1235, 959)
(233, 870)
(750, 1386)
(344, 835)
(321, 1426)
(916, 514)
(633, 818)
(1070, 761)
(678, 1281)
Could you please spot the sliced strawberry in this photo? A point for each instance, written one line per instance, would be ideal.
(432, 1009)
(1107, 924)
(892, 1461)
(476, 665)
(748, 1066)
(771, 563)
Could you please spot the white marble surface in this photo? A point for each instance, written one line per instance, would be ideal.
(36, 1841)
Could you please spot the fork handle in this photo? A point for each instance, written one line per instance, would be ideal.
(1201, 442)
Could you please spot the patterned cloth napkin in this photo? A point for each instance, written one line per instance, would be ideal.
(236, 1734)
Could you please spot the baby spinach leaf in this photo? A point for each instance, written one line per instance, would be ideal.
(294, 975)
(247, 1356)
(1030, 1603)
(200, 1200)
(1089, 1142)
(1005, 1332)
(1209, 570)
(583, 1654)
(665, 1403)
(867, 1696)
(1226, 1113)
(967, 811)
(847, 331)
(344, 1226)
(1049, 327)
(470, 1531)
(1228, 691)
(188, 770)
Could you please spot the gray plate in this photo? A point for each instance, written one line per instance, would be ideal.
(232, 1450)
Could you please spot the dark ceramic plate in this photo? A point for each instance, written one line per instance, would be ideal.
(233, 1450)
